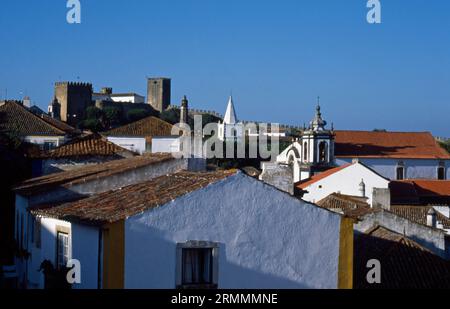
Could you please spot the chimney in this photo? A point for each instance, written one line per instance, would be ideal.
(27, 102)
(184, 110)
(432, 217)
(362, 188)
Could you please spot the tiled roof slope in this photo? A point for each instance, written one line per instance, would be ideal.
(89, 172)
(17, 119)
(418, 214)
(58, 124)
(371, 144)
(349, 205)
(420, 192)
(120, 204)
(147, 127)
(89, 145)
(307, 182)
(404, 263)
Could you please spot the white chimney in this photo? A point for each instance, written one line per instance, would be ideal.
(432, 217)
(362, 188)
(27, 102)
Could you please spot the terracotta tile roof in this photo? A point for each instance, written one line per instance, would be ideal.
(147, 127)
(82, 174)
(420, 192)
(307, 182)
(86, 146)
(349, 205)
(418, 214)
(17, 119)
(399, 145)
(58, 124)
(131, 200)
(404, 263)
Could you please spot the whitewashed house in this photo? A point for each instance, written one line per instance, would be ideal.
(212, 230)
(36, 237)
(354, 179)
(18, 120)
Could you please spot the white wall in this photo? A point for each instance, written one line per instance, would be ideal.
(346, 181)
(166, 144)
(136, 144)
(414, 168)
(268, 239)
(40, 140)
(130, 98)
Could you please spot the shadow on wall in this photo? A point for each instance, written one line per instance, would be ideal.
(150, 262)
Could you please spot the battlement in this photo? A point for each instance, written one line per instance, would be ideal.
(74, 84)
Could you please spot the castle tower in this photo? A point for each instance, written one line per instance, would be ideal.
(158, 93)
(184, 110)
(73, 98)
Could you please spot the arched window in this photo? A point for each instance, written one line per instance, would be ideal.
(323, 152)
(305, 152)
(441, 171)
(400, 171)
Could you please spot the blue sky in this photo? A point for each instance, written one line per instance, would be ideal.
(275, 56)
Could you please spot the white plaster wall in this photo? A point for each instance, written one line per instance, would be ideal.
(136, 144)
(346, 181)
(131, 98)
(40, 140)
(165, 144)
(414, 168)
(268, 239)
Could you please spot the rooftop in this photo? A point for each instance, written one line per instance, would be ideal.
(17, 119)
(147, 127)
(418, 214)
(405, 263)
(82, 174)
(399, 145)
(307, 182)
(420, 192)
(89, 145)
(351, 206)
(120, 204)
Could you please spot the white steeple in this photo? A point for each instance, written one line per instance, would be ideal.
(230, 114)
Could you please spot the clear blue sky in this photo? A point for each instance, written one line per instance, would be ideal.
(275, 56)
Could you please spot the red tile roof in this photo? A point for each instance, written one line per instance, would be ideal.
(399, 145)
(351, 206)
(307, 182)
(131, 200)
(82, 174)
(17, 119)
(420, 192)
(404, 263)
(86, 146)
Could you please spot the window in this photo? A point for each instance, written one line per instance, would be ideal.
(197, 265)
(441, 173)
(323, 152)
(48, 145)
(305, 152)
(62, 249)
(400, 172)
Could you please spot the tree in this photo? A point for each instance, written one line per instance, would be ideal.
(113, 117)
(94, 119)
(138, 114)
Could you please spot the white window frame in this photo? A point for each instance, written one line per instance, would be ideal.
(195, 244)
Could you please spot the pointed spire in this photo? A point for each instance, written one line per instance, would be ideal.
(230, 114)
(318, 124)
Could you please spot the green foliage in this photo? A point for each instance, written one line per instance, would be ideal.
(445, 145)
(172, 116)
(138, 114)
(112, 116)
